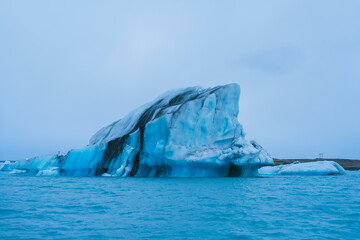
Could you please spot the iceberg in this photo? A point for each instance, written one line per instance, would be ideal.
(6, 166)
(309, 168)
(190, 132)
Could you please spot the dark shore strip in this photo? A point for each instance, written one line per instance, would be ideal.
(347, 164)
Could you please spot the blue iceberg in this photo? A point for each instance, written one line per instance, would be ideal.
(191, 132)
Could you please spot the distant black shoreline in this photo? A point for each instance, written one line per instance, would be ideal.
(347, 164)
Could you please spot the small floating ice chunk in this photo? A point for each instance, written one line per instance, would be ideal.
(53, 172)
(106, 175)
(17, 171)
(309, 168)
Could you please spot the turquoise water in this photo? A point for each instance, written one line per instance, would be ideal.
(278, 207)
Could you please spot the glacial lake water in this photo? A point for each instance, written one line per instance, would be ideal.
(276, 207)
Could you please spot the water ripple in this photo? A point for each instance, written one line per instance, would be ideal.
(280, 207)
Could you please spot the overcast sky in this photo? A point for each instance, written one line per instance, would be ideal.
(68, 68)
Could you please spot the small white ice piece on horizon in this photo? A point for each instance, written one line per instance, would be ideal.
(309, 168)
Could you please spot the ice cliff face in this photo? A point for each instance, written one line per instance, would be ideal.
(191, 132)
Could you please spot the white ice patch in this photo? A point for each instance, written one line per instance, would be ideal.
(52, 172)
(17, 171)
(106, 175)
(309, 168)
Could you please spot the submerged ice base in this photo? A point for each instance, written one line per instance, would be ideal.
(192, 132)
(309, 168)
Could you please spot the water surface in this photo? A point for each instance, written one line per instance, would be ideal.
(277, 207)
